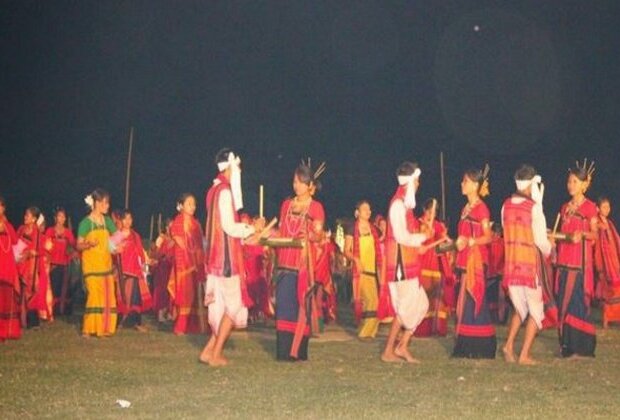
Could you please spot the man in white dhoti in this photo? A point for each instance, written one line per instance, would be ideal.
(402, 245)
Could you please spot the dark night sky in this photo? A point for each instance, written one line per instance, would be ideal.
(362, 85)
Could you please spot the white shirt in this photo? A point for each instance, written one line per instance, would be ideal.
(539, 226)
(232, 228)
(398, 223)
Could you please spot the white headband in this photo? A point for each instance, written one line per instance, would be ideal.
(408, 180)
(522, 184)
(404, 179)
(234, 163)
(232, 160)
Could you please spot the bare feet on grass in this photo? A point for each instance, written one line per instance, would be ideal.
(206, 356)
(528, 361)
(390, 357)
(404, 353)
(509, 355)
(218, 361)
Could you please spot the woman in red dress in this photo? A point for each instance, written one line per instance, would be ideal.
(162, 261)
(134, 290)
(574, 268)
(32, 269)
(63, 244)
(607, 263)
(301, 217)
(437, 277)
(10, 327)
(475, 334)
(188, 273)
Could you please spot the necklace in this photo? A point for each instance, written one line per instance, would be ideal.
(295, 222)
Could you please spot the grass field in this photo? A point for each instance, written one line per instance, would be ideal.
(54, 373)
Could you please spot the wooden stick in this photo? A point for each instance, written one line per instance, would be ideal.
(151, 230)
(159, 223)
(557, 222)
(267, 228)
(443, 187)
(261, 192)
(128, 173)
(434, 244)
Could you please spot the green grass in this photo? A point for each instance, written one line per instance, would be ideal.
(53, 372)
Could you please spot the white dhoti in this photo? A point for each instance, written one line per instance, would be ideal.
(409, 301)
(528, 301)
(225, 296)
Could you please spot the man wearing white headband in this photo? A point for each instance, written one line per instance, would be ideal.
(525, 244)
(225, 292)
(402, 243)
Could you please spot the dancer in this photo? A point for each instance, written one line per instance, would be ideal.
(402, 248)
(10, 327)
(134, 290)
(363, 248)
(32, 270)
(526, 245)
(574, 275)
(607, 263)
(63, 246)
(475, 335)
(436, 276)
(226, 290)
(301, 218)
(94, 240)
(188, 271)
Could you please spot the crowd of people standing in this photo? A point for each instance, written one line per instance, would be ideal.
(403, 269)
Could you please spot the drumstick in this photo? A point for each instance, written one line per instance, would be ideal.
(267, 228)
(261, 192)
(434, 244)
(557, 222)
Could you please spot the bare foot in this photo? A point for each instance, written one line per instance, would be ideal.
(527, 361)
(206, 356)
(390, 357)
(141, 328)
(404, 354)
(84, 335)
(219, 361)
(509, 355)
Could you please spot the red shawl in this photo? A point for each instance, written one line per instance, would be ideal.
(607, 254)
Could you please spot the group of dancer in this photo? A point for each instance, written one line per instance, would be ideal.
(406, 270)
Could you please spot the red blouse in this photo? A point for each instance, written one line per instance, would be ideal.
(293, 225)
(470, 226)
(60, 242)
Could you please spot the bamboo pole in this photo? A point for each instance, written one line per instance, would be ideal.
(128, 173)
(443, 187)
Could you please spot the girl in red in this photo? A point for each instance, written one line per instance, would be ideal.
(188, 270)
(63, 242)
(436, 277)
(32, 270)
(475, 334)
(134, 290)
(325, 291)
(607, 263)
(253, 258)
(574, 274)
(496, 294)
(163, 254)
(10, 327)
(301, 217)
